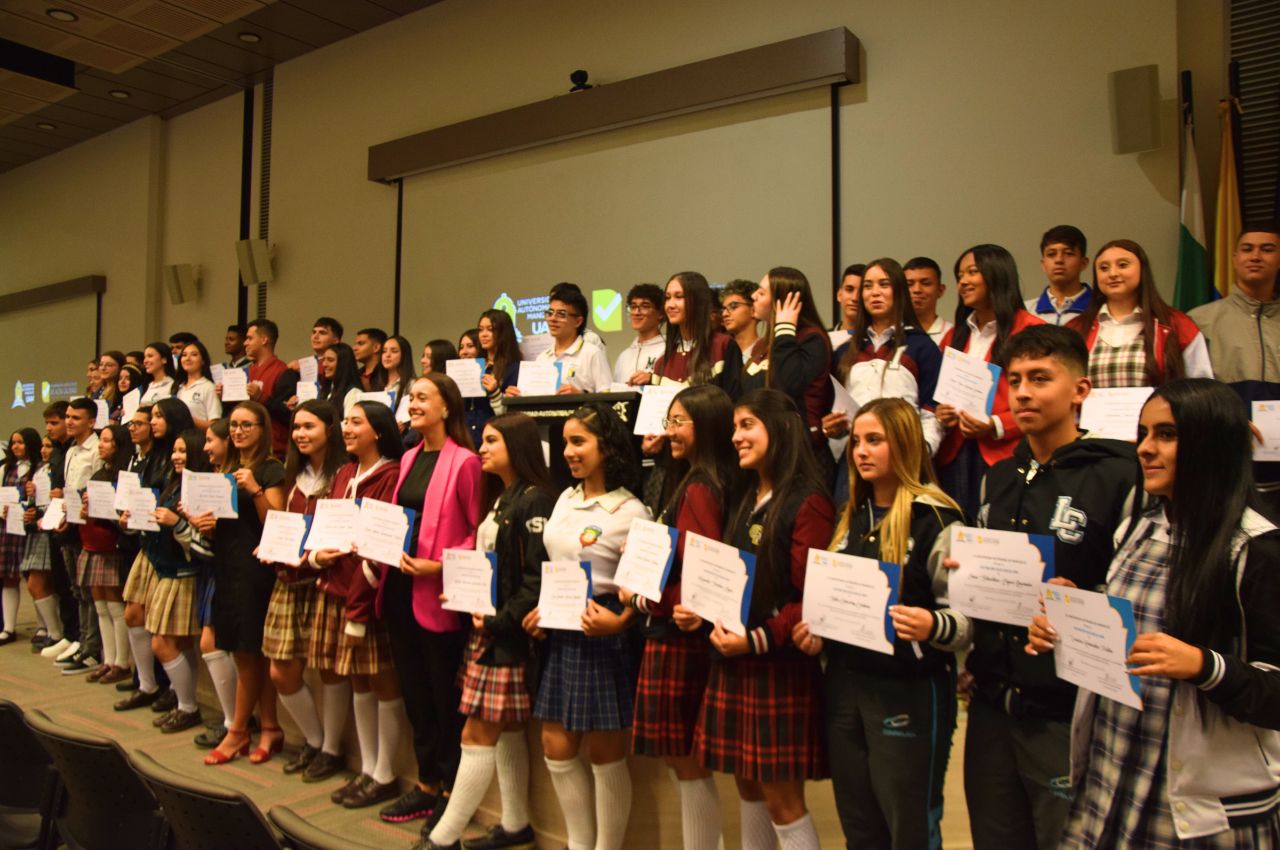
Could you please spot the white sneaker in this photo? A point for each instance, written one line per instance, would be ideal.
(54, 650)
(67, 653)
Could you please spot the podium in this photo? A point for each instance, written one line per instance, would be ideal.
(551, 411)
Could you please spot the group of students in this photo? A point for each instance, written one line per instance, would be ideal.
(744, 458)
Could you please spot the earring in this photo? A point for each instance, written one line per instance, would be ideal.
(444, 414)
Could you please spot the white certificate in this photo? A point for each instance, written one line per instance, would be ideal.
(43, 486)
(235, 385)
(10, 496)
(210, 493)
(842, 403)
(308, 370)
(382, 533)
(655, 400)
(847, 599)
(534, 344)
(53, 515)
(377, 396)
(467, 374)
(126, 483)
(334, 525)
(74, 502)
(102, 500)
(1113, 412)
(215, 372)
(716, 580)
(141, 508)
(13, 520)
(306, 391)
(646, 560)
(282, 536)
(470, 581)
(566, 587)
(104, 414)
(129, 404)
(1095, 634)
(538, 377)
(1000, 573)
(967, 383)
(1266, 418)
(402, 409)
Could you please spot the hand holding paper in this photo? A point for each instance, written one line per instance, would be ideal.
(646, 559)
(470, 581)
(1000, 573)
(967, 383)
(566, 587)
(282, 536)
(716, 581)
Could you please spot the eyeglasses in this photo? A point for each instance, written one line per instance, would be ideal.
(136, 424)
(676, 421)
(640, 308)
(734, 305)
(241, 426)
(560, 314)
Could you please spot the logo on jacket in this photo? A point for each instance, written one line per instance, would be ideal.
(754, 532)
(897, 726)
(590, 535)
(1068, 522)
(535, 524)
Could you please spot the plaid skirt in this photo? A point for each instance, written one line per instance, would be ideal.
(39, 555)
(589, 683)
(171, 608)
(329, 648)
(762, 719)
(496, 694)
(98, 569)
(288, 622)
(204, 598)
(142, 578)
(673, 680)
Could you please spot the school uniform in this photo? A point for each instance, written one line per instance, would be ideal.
(589, 683)
(176, 556)
(909, 371)
(583, 365)
(289, 611)
(673, 367)
(100, 563)
(480, 410)
(244, 582)
(638, 357)
(800, 366)
(37, 554)
(761, 716)
(938, 330)
(157, 390)
(13, 546)
(201, 398)
(1117, 357)
(1048, 309)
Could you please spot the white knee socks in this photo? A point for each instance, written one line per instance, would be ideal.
(366, 710)
(52, 617)
(120, 629)
(512, 758)
(798, 835)
(573, 790)
(757, 829)
(391, 721)
(475, 771)
(700, 813)
(143, 658)
(222, 670)
(613, 803)
(337, 706)
(106, 631)
(183, 679)
(302, 708)
(9, 603)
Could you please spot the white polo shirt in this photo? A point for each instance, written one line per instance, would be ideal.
(584, 366)
(581, 529)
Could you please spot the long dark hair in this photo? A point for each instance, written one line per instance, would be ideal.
(1000, 273)
(346, 375)
(793, 472)
(383, 422)
(120, 457)
(405, 373)
(30, 442)
(698, 304)
(524, 450)
(714, 462)
(204, 359)
(177, 418)
(197, 459)
(784, 280)
(1213, 478)
(166, 352)
(621, 466)
(505, 348)
(441, 350)
(334, 452)
(1154, 309)
(904, 314)
(472, 334)
(455, 422)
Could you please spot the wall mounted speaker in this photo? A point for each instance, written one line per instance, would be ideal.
(183, 282)
(1134, 94)
(254, 258)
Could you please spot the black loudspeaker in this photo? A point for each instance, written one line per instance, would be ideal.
(1134, 94)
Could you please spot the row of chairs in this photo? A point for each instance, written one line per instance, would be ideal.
(60, 786)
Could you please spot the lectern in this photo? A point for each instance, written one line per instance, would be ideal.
(551, 411)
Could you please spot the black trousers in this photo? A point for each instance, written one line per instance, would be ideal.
(68, 605)
(428, 664)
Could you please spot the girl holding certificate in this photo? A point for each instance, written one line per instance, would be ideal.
(157, 362)
(19, 457)
(339, 376)
(37, 568)
(1197, 765)
(587, 695)
(888, 789)
(762, 714)
(495, 690)
(101, 567)
(244, 585)
(496, 336)
(696, 352)
(197, 389)
(398, 364)
(675, 665)
(990, 311)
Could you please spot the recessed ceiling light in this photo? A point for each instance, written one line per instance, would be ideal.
(64, 15)
(45, 125)
(119, 94)
(249, 37)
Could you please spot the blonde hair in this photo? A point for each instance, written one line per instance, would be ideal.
(911, 465)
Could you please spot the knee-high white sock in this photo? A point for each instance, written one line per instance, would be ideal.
(366, 711)
(391, 723)
(106, 631)
(52, 617)
(120, 629)
(613, 803)
(183, 679)
(757, 829)
(512, 757)
(798, 835)
(143, 658)
(700, 813)
(475, 771)
(41, 626)
(9, 602)
(222, 670)
(337, 706)
(573, 790)
(302, 708)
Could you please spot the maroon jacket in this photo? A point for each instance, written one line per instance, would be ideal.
(346, 579)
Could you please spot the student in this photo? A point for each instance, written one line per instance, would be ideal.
(130, 379)
(848, 304)
(737, 317)
(1134, 338)
(315, 453)
(584, 368)
(696, 353)
(675, 665)
(501, 357)
(761, 689)
(109, 365)
(133, 357)
(265, 370)
(19, 462)
(157, 363)
(439, 480)
(897, 513)
(233, 347)
(244, 586)
(1196, 766)
(347, 645)
(101, 568)
(436, 353)
(587, 694)
(178, 341)
(80, 461)
(1064, 257)
(469, 344)
(197, 389)
(495, 683)
(988, 315)
(644, 311)
(368, 352)
(326, 332)
(93, 380)
(64, 543)
(924, 281)
(339, 377)
(38, 564)
(1079, 489)
(574, 291)
(397, 364)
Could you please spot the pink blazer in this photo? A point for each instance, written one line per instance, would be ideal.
(450, 514)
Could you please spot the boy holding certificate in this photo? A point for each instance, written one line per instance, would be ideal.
(1077, 488)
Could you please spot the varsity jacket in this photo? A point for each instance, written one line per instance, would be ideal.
(171, 550)
(699, 511)
(1223, 761)
(1080, 497)
(908, 371)
(726, 365)
(521, 516)
(800, 364)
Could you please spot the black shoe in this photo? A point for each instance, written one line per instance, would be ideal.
(416, 804)
(299, 762)
(7, 637)
(321, 766)
(137, 700)
(128, 685)
(211, 737)
(39, 642)
(425, 843)
(167, 702)
(158, 722)
(369, 792)
(180, 721)
(80, 665)
(340, 796)
(499, 839)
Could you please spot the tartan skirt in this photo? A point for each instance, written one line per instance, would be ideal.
(98, 569)
(673, 680)
(142, 578)
(204, 598)
(288, 621)
(39, 555)
(171, 608)
(589, 683)
(762, 719)
(329, 648)
(493, 693)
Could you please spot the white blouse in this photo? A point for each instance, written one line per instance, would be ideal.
(201, 399)
(582, 529)
(157, 390)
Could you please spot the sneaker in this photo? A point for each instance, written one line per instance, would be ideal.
(416, 804)
(499, 839)
(39, 642)
(167, 701)
(340, 796)
(370, 792)
(68, 654)
(54, 650)
(180, 721)
(299, 763)
(138, 699)
(321, 767)
(80, 664)
(211, 736)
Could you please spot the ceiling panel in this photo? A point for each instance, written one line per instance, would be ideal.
(291, 21)
(357, 16)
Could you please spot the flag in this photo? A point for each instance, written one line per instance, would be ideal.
(1227, 220)
(1193, 287)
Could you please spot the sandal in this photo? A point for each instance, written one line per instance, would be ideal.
(263, 754)
(218, 757)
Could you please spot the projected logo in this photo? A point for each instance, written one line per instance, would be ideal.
(606, 309)
(23, 394)
(527, 314)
